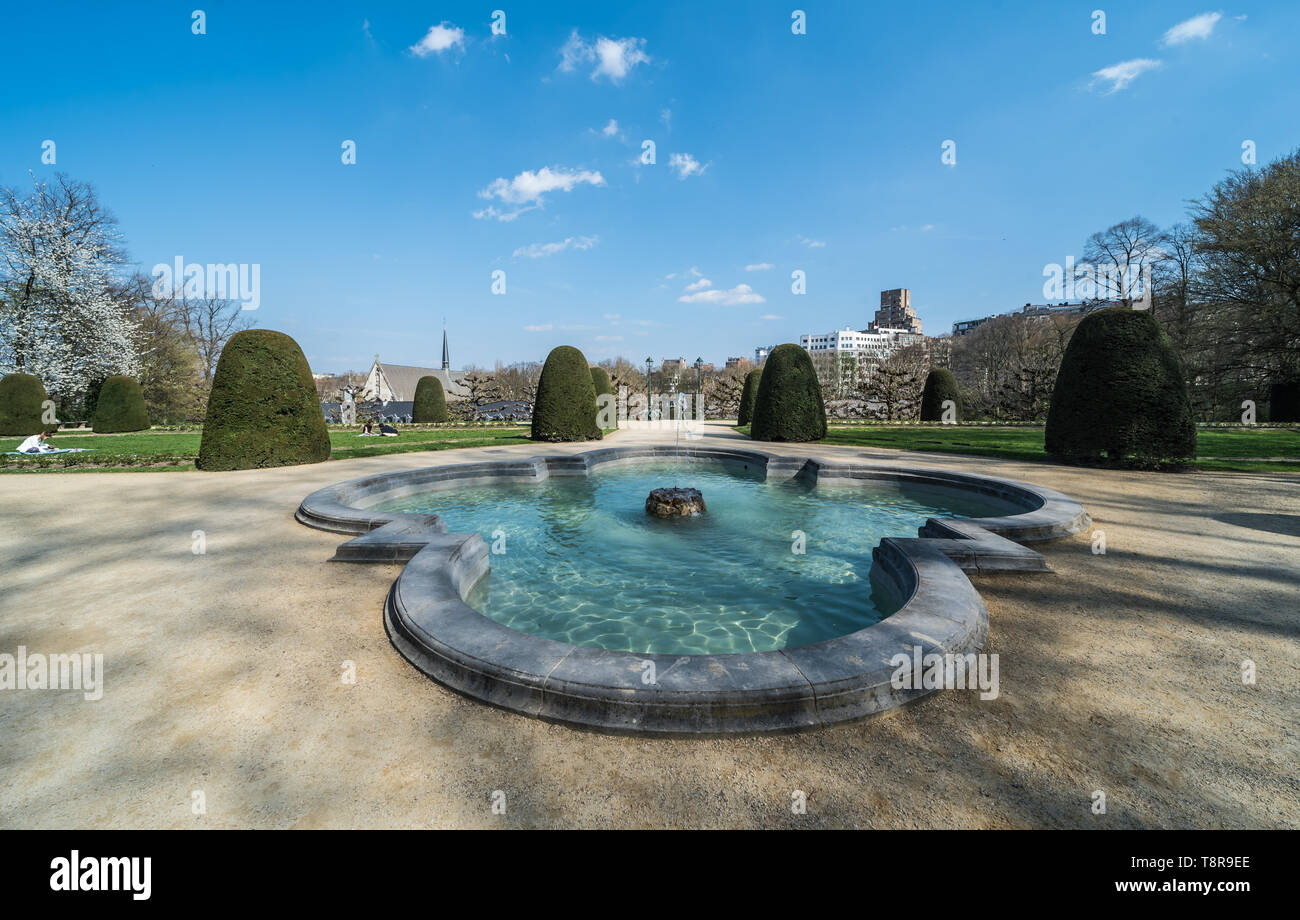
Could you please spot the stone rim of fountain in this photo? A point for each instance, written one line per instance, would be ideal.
(836, 680)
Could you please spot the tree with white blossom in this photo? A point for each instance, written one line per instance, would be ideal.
(59, 260)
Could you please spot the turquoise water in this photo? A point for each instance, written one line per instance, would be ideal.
(577, 559)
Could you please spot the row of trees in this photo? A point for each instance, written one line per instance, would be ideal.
(1224, 285)
(74, 311)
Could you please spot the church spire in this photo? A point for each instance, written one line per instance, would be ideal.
(446, 358)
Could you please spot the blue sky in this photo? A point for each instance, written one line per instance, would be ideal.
(818, 152)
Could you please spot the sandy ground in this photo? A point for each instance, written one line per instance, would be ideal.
(1120, 673)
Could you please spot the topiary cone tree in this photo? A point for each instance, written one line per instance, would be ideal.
(940, 386)
(430, 401)
(1120, 395)
(21, 405)
(263, 410)
(748, 393)
(789, 404)
(600, 380)
(1284, 402)
(120, 406)
(565, 408)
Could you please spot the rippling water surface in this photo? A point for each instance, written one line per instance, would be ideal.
(583, 562)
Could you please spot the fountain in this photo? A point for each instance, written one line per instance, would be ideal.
(674, 502)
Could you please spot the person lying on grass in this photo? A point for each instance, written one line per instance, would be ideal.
(36, 444)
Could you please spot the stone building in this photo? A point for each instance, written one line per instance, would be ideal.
(896, 312)
(396, 382)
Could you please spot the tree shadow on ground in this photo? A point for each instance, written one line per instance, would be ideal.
(1288, 524)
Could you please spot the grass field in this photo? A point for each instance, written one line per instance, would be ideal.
(158, 450)
(1231, 449)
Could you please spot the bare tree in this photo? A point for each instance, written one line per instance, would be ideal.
(483, 388)
(893, 388)
(210, 322)
(1119, 260)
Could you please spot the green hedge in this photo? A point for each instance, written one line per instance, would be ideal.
(789, 405)
(1120, 396)
(430, 401)
(1284, 402)
(748, 393)
(565, 409)
(263, 410)
(940, 385)
(21, 399)
(120, 406)
(600, 381)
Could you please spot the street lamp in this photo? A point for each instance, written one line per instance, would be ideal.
(649, 397)
(699, 381)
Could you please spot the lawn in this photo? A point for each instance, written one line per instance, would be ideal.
(1225, 448)
(158, 450)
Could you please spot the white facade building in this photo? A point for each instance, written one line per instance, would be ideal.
(873, 345)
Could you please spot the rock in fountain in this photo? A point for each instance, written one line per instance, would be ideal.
(674, 502)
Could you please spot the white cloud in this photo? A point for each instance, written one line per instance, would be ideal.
(617, 57)
(812, 244)
(699, 285)
(759, 267)
(610, 129)
(926, 228)
(771, 316)
(525, 190)
(1122, 74)
(686, 165)
(538, 250)
(614, 57)
(740, 294)
(439, 39)
(544, 327)
(1191, 29)
(613, 315)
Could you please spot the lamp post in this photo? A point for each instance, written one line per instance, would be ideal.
(699, 386)
(649, 397)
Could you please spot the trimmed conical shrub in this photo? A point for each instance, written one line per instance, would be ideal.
(748, 393)
(263, 410)
(21, 399)
(789, 405)
(565, 409)
(120, 406)
(430, 401)
(600, 380)
(1284, 402)
(940, 385)
(1120, 395)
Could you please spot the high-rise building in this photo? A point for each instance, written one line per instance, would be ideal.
(896, 311)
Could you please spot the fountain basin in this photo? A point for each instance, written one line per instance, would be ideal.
(639, 688)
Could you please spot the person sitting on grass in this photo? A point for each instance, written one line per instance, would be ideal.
(367, 429)
(387, 431)
(36, 444)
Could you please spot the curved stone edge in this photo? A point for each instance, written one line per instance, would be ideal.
(846, 678)
(842, 679)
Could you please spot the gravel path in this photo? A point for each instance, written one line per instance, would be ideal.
(223, 675)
